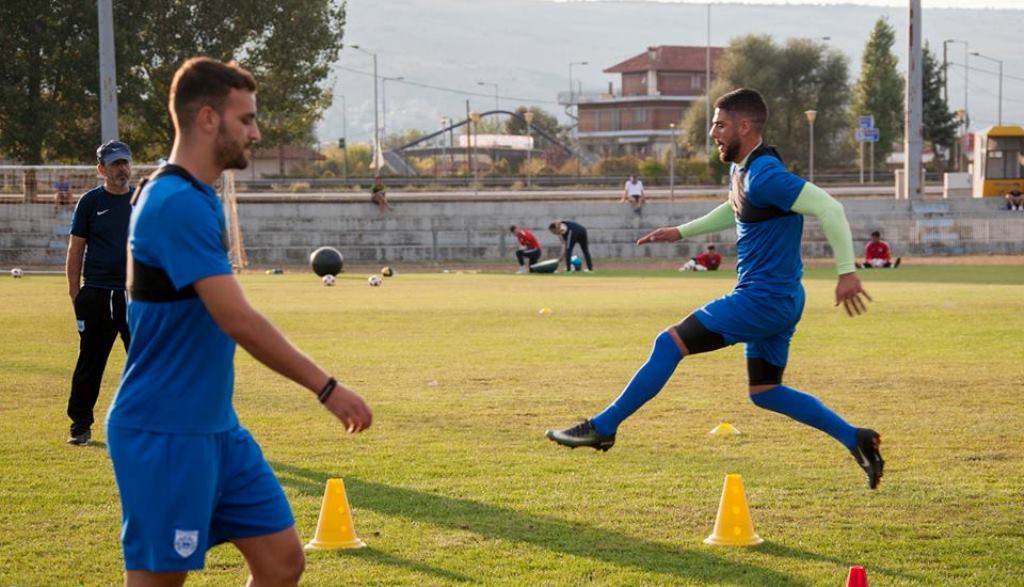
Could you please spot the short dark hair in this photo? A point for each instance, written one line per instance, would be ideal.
(202, 81)
(711, 247)
(553, 226)
(876, 233)
(512, 228)
(747, 103)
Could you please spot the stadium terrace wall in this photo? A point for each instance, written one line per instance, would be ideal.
(284, 232)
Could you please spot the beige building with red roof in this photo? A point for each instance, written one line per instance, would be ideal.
(656, 89)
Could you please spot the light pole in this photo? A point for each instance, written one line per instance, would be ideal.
(672, 166)
(811, 115)
(529, 149)
(707, 87)
(444, 147)
(474, 124)
(344, 137)
(384, 103)
(572, 102)
(494, 149)
(376, 123)
(1000, 63)
(965, 118)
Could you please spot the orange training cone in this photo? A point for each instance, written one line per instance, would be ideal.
(334, 530)
(733, 526)
(858, 577)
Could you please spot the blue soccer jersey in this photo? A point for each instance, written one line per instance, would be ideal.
(179, 373)
(768, 233)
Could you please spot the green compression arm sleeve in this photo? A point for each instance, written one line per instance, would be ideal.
(816, 202)
(716, 220)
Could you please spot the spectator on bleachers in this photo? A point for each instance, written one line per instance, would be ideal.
(1015, 199)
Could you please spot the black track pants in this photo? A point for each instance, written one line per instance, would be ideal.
(101, 317)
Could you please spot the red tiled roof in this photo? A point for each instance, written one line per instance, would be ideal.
(668, 58)
(291, 152)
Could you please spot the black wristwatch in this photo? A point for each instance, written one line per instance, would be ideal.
(328, 389)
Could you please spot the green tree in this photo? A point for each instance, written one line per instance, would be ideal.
(793, 78)
(938, 122)
(542, 120)
(49, 74)
(49, 80)
(880, 88)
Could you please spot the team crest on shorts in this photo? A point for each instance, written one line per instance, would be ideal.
(186, 542)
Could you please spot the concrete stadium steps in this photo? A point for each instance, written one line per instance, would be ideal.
(284, 233)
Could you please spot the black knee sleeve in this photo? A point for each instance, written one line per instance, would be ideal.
(761, 372)
(696, 337)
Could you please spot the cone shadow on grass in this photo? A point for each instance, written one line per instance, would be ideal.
(572, 538)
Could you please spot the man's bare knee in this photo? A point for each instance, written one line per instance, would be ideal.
(284, 570)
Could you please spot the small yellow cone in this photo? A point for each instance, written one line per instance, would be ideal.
(544, 311)
(733, 526)
(724, 428)
(334, 530)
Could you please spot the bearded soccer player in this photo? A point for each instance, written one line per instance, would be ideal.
(190, 477)
(766, 205)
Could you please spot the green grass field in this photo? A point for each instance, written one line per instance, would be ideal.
(455, 482)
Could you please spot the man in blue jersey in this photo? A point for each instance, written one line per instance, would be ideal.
(99, 241)
(766, 206)
(190, 477)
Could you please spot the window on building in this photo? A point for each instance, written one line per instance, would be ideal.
(1005, 158)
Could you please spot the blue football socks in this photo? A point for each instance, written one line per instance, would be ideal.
(807, 409)
(646, 384)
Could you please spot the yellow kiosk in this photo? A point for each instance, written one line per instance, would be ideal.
(998, 161)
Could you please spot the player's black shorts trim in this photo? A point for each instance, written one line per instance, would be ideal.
(761, 372)
(696, 337)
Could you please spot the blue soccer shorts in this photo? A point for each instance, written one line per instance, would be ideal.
(182, 494)
(765, 321)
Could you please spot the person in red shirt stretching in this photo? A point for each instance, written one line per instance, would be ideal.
(876, 254)
(708, 261)
(529, 247)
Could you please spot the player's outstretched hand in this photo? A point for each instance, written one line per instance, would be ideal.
(849, 292)
(350, 409)
(667, 234)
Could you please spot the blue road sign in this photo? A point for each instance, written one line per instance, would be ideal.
(866, 121)
(868, 135)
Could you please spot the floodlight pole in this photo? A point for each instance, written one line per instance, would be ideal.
(108, 73)
(913, 139)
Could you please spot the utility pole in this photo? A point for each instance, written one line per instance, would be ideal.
(913, 139)
(707, 87)
(108, 72)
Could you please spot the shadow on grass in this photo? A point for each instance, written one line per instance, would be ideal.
(571, 538)
(381, 557)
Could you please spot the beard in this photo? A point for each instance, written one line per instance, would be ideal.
(231, 154)
(731, 151)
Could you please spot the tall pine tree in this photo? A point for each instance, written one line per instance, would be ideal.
(938, 123)
(879, 90)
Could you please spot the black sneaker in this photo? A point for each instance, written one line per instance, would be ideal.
(81, 438)
(868, 457)
(582, 434)
(897, 263)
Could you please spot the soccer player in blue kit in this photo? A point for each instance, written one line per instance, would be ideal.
(766, 206)
(189, 476)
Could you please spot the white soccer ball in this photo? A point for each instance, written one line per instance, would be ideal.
(374, 280)
(17, 273)
(328, 280)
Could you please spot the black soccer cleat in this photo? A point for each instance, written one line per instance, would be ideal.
(868, 456)
(80, 438)
(582, 434)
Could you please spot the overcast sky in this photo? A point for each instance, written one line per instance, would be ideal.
(1002, 4)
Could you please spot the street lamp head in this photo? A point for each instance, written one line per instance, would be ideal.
(811, 115)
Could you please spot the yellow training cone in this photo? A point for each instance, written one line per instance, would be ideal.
(733, 526)
(724, 428)
(334, 530)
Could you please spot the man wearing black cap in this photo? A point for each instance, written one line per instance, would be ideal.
(99, 237)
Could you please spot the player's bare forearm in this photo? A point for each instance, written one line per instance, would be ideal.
(73, 265)
(225, 301)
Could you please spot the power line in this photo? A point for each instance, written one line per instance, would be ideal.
(450, 90)
(988, 71)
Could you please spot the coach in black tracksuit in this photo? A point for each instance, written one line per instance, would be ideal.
(99, 235)
(572, 234)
